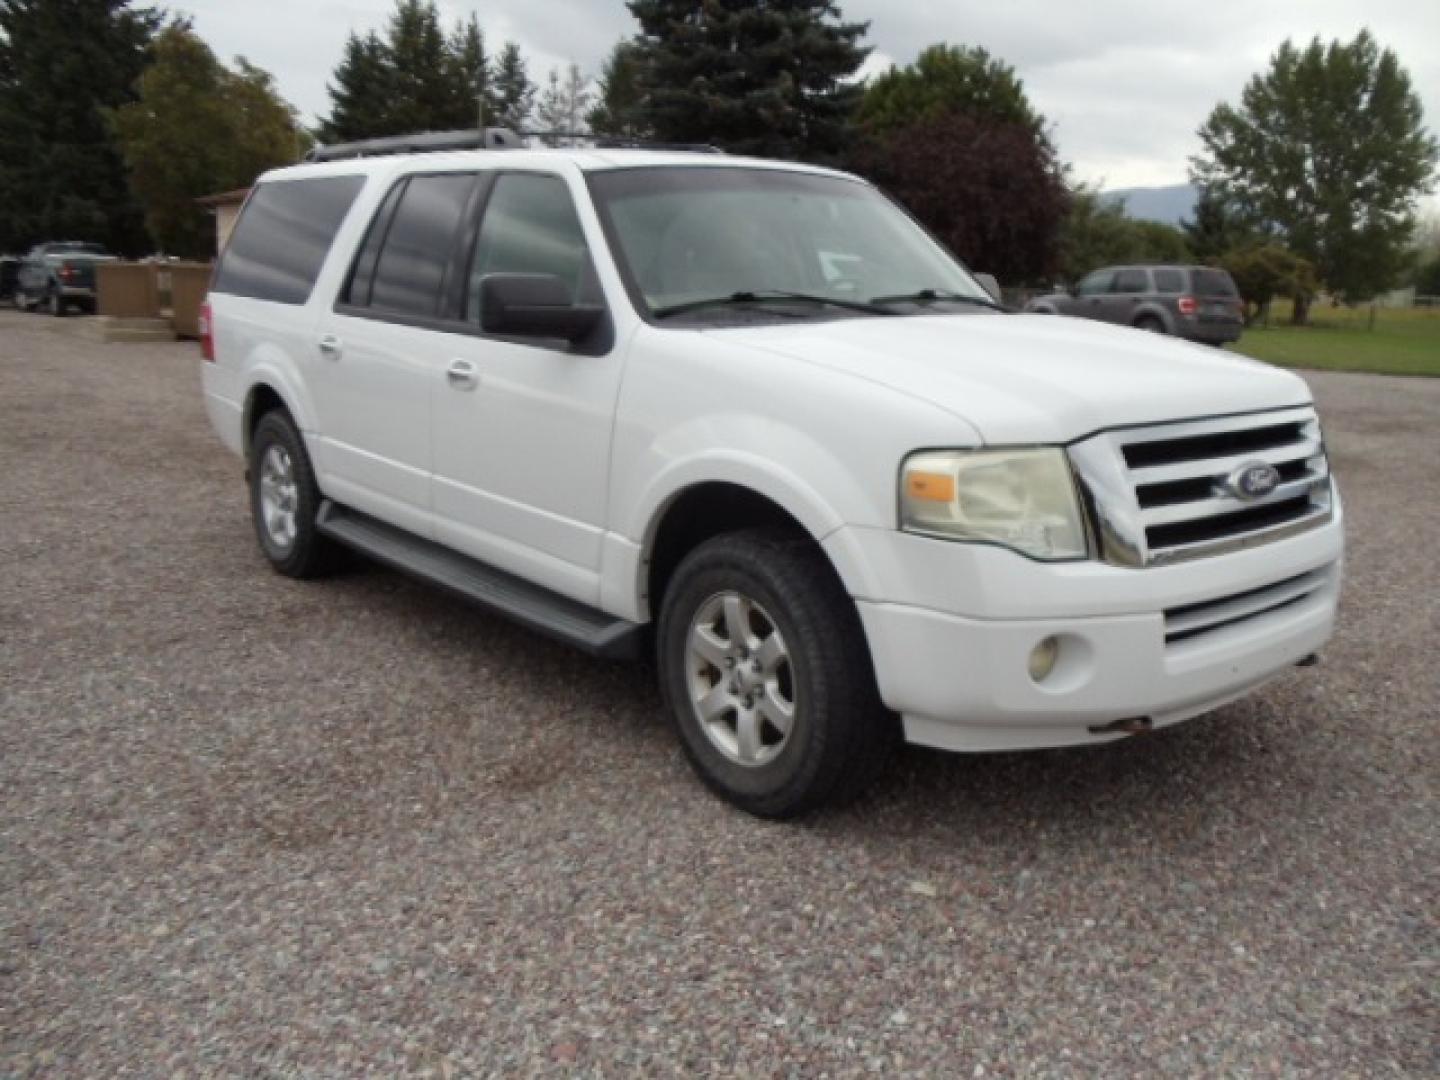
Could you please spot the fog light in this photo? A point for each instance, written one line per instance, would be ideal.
(1043, 657)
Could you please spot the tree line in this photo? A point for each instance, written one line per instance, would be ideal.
(1309, 181)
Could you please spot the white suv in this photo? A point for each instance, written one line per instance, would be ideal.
(749, 415)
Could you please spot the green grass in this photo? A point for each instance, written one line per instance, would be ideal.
(1404, 341)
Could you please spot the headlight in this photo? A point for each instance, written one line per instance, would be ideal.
(1022, 499)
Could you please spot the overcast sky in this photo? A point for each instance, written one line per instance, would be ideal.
(1124, 83)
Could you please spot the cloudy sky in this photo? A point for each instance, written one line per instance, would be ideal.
(1124, 82)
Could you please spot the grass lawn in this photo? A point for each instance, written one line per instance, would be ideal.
(1405, 341)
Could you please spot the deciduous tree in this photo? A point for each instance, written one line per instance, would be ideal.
(1328, 149)
(564, 104)
(946, 78)
(1097, 232)
(1265, 271)
(197, 128)
(990, 190)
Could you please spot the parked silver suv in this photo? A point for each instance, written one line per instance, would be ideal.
(1199, 303)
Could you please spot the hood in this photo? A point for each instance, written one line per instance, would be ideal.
(1035, 378)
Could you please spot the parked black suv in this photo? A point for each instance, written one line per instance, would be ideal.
(1199, 303)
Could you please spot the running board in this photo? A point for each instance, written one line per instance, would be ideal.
(530, 605)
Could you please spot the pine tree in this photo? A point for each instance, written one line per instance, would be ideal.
(514, 93)
(615, 114)
(470, 74)
(360, 93)
(414, 78)
(423, 97)
(767, 79)
(63, 63)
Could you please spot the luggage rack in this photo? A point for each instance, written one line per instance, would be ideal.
(490, 138)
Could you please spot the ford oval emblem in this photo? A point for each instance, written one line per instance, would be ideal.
(1253, 480)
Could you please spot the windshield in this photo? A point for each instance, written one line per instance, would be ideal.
(690, 234)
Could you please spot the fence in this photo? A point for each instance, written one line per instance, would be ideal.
(126, 290)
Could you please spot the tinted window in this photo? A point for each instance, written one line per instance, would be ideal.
(357, 289)
(1098, 282)
(1168, 280)
(1213, 283)
(1132, 280)
(418, 243)
(530, 227)
(282, 237)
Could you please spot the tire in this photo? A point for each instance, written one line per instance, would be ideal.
(284, 500)
(801, 645)
(55, 304)
(1150, 324)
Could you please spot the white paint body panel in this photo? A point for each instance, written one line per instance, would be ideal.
(559, 467)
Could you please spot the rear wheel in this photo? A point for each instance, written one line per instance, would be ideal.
(767, 677)
(284, 500)
(55, 304)
(1150, 323)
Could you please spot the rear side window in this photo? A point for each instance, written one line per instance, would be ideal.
(283, 236)
(1132, 279)
(1210, 282)
(1168, 280)
(418, 244)
(531, 227)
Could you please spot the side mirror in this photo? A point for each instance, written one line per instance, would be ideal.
(990, 285)
(534, 305)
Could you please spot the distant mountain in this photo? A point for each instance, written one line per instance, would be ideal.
(1168, 204)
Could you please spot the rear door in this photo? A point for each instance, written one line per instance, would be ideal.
(375, 355)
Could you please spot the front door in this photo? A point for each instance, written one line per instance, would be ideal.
(522, 427)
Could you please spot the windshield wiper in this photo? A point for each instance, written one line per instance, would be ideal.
(930, 296)
(760, 296)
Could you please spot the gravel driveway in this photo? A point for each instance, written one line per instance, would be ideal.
(250, 826)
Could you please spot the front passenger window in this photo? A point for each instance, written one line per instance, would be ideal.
(531, 227)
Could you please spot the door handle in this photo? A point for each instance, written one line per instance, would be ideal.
(329, 346)
(462, 375)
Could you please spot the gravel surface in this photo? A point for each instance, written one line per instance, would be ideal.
(259, 827)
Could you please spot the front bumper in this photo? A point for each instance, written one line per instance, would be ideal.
(955, 664)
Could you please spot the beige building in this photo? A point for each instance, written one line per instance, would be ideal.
(226, 207)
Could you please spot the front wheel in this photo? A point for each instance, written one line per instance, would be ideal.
(767, 677)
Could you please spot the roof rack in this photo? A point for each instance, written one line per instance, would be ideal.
(494, 138)
(424, 142)
(589, 140)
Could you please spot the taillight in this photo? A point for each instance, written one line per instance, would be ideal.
(207, 333)
(66, 273)
(1186, 305)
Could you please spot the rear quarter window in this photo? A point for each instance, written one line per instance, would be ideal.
(1212, 283)
(283, 236)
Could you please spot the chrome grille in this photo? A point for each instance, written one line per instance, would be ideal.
(1165, 493)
